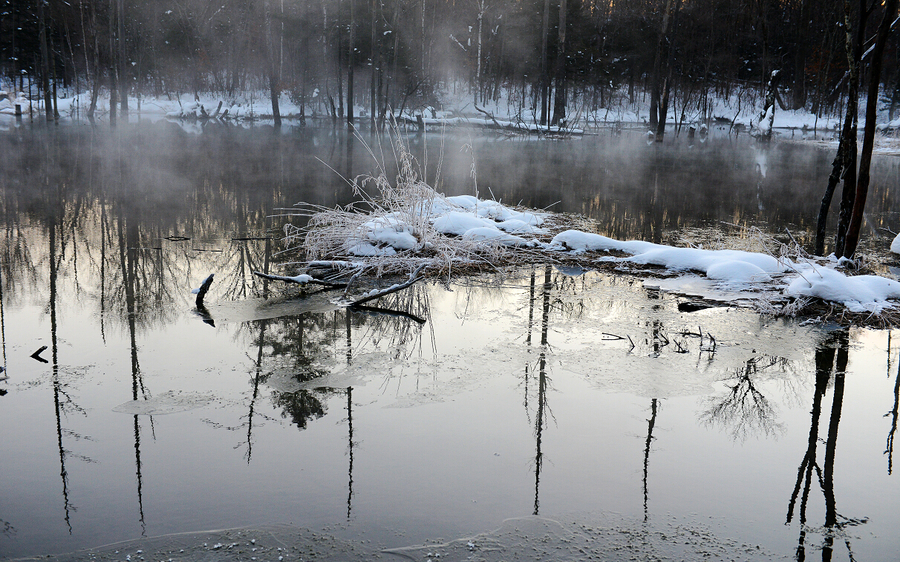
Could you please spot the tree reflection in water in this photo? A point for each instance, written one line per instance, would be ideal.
(831, 363)
(889, 446)
(744, 409)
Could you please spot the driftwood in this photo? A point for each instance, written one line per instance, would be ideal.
(414, 277)
(300, 280)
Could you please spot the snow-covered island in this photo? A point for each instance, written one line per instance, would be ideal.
(411, 227)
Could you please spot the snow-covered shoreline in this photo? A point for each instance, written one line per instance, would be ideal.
(456, 110)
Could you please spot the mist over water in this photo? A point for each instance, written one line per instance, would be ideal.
(144, 417)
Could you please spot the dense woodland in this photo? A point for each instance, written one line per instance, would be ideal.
(546, 56)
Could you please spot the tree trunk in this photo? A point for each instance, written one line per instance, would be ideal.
(559, 103)
(669, 70)
(478, 88)
(799, 92)
(274, 92)
(663, 47)
(373, 92)
(545, 64)
(833, 180)
(350, 63)
(120, 43)
(862, 186)
(340, 66)
(45, 63)
(854, 58)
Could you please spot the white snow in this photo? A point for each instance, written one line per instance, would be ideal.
(740, 271)
(736, 273)
(895, 244)
(368, 250)
(9, 101)
(458, 222)
(390, 230)
(490, 233)
(860, 293)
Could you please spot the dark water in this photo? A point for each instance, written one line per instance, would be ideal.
(565, 397)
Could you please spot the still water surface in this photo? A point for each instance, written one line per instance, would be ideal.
(536, 394)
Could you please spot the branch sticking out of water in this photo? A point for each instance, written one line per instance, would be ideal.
(414, 277)
(201, 292)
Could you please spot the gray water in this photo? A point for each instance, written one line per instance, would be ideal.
(581, 399)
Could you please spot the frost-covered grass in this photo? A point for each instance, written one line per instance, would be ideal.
(395, 226)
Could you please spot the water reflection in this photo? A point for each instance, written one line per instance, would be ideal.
(829, 372)
(651, 423)
(745, 409)
(889, 448)
(95, 251)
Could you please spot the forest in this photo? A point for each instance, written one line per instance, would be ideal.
(331, 56)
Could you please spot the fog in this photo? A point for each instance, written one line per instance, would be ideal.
(356, 59)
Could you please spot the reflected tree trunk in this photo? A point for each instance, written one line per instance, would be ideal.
(825, 368)
(59, 394)
(654, 408)
(350, 448)
(540, 418)
(889, 446)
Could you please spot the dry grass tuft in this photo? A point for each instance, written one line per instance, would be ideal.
(407, 204)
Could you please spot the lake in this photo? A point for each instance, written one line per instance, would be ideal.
(535, 408)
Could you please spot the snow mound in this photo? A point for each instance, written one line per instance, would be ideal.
(493, 210)
(493, 234)
(859, 293)
(739, 271)
(457, 223)
(9, 101)
(895, 245)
